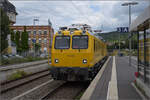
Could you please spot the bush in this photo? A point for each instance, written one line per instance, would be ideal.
(20, 60)
(17, 75)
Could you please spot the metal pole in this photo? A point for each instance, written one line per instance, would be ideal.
(144, 55)
(50, 41)
(138, 46)
(130, 46)
(49, 46)
(119, 42)
(129, 35)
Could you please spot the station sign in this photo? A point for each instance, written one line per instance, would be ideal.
(123, 29)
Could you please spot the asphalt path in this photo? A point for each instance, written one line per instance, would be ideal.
(100, 92)
(125, 77)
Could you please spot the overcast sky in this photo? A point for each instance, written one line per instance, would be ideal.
(105, 15)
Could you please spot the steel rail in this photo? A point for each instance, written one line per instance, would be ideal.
(12, 84)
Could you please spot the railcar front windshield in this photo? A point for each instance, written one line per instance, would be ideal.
(62, 42)
(80, 42)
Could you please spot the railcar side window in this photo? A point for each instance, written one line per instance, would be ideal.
(80, 42)
(62, 42)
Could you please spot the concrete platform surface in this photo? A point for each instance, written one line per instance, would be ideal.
(115, 82)
(125, 77)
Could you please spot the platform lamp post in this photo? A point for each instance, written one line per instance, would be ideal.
(129, 4)
(50, 42)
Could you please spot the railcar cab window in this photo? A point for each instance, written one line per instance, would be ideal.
(72, 29)
(80, 42)
(62, 42)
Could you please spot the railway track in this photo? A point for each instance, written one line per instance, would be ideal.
(46, 90)
(41, 86)
(68, 90)
(39, 91)
(12, 84)
(21, 66)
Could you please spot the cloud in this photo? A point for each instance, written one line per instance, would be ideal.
(106, 15)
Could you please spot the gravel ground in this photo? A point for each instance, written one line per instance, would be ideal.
(21, 89)
(9, 85)
(68, 91)
(5, 67)
(40, 92)
(5, 74)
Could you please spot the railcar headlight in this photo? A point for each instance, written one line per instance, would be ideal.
(56, 60)
(71, 32)
(84, 61)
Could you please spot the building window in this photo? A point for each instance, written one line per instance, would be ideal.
(15, 31)
(34, 40)
(45, 33)
(45, 41)
(20, 31)
(45, 45)
(42, 41)
(29, 32)
(34, 33)
(40, 32)
(39, 41)
(11, 17)
(29, 42)
(45, 50)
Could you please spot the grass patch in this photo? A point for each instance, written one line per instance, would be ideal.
(79, 96)
(20, 60)
(18, 74)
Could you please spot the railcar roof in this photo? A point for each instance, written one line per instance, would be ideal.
(76, 32)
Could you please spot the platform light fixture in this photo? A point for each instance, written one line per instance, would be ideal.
(129, 4)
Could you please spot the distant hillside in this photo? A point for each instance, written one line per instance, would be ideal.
(114, 36)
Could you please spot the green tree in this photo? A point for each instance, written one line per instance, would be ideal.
(24, 40)
(37, 47)
(12, 36)
(4, 27)
(17, 41)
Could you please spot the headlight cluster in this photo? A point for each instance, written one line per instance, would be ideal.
(56, 60)
(71, 32)
(84, 61)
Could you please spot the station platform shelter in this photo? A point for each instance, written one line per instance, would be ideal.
(141, 27)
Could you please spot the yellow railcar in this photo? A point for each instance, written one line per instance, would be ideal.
(76, 55)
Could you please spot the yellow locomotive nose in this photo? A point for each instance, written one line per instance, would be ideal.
(64, 59)
(76, 55)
